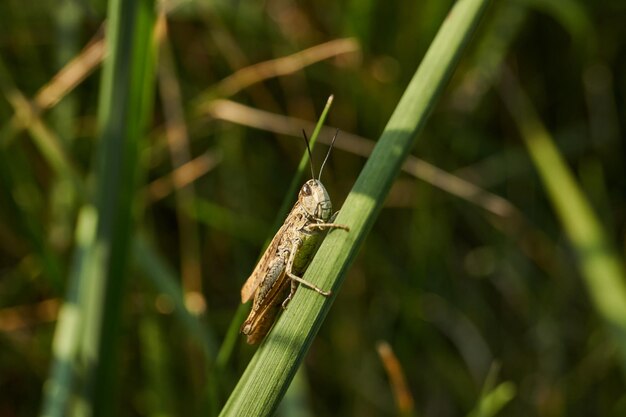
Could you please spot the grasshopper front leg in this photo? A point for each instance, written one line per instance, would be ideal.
(330, 225)
(323, 226)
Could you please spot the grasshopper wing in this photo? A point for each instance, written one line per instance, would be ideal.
(261, 320)
(261, 269)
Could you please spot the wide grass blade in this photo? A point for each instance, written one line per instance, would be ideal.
(269, 373)
(97, 287)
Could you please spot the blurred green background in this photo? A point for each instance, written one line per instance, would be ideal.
(468, 276)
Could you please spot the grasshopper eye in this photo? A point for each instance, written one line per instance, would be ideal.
(306, 190)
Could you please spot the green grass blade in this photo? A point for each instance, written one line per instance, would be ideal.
(495, 400)
(277, 359)
(296, 183)
(493, 397)
(58, 389)
(601, 266)
(124, 108)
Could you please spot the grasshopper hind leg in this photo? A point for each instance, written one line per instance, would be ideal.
(294, 287)
(295, 280)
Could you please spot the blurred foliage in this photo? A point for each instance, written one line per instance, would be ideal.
(455, 289)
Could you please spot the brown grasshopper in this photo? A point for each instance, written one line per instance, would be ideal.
(276, 277)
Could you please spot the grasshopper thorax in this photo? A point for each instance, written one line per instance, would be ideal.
(315, 201)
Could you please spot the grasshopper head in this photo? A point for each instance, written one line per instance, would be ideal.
(315, 200)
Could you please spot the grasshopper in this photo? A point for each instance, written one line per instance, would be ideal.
(276, 277)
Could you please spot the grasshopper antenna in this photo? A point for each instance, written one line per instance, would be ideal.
(328, 154)
(306, 140)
